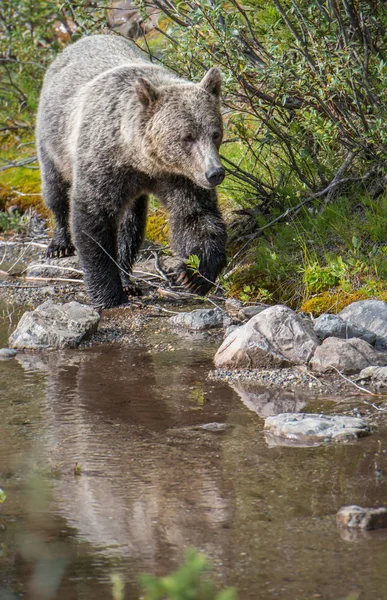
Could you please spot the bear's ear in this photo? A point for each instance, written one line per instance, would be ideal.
(212, 82)
(146, 92)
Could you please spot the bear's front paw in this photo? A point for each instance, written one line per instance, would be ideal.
(59, 247)
(192, 281)
(129, 286)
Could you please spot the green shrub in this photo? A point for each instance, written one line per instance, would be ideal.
(304, 88)
(187, 583)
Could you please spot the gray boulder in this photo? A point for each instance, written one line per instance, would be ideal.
(371, 314)
(275, 338)
(230, 329)
(247, 312)
(66, 267)
(54, 326)
(362, 518)
(307, 429)
(348, 356)
(334, 326)
(201, 319)
(377, 375)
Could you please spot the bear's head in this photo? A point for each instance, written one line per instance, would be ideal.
(182, 128)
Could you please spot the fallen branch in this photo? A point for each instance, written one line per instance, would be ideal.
(21, 163)
(158, 268)
(35, 244)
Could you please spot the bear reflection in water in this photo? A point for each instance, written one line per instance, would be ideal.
(148, 481)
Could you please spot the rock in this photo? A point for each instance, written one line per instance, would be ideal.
(307, 429)
(348, 356)
(334, 326)
(232, 304)
(198, 320)
(277, 337)
(247, 312)
(213, 427)
(371, 314)
(230, 329)
(362, 518)
(377, 375)
(6, 353)
(66, 267)
(55, 326)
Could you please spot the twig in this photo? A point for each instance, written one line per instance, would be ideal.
(53, 279)
(35, 244)
(158, 267)
(154, 275)
(22, 287)
(361, 388)
(316, 378)
(340, 172)
(21, 163)
(20, 257)
(171, 312)
(23, 194)
(59, 267)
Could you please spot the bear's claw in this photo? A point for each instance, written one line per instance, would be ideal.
(194, 282)
(58, 250)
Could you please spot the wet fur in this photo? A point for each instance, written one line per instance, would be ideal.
(109, 132)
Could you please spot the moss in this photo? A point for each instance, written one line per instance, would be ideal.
(335, 301)
(157, 227)
(20, 186)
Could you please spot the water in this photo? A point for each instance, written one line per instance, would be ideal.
(152, 484)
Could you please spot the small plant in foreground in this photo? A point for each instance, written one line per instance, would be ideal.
(319, 279)
(13, 222)
(77, 469)
(118, 586)
(187, 583)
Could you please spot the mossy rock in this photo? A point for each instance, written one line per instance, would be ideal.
(334, 302)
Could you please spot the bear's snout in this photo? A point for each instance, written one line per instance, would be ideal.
(215, 176)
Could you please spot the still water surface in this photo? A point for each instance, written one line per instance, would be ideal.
(152, 483)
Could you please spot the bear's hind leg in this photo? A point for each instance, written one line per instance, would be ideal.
(95, 237)
(56, 193)
(130, 237)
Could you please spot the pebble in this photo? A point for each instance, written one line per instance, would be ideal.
(6, 353)
(214, 427)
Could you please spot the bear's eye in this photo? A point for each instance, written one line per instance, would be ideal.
(188, 139)
(216, 136)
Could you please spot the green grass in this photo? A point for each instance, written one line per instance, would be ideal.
(341, 248)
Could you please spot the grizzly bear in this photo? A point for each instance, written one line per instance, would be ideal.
(113, 128)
